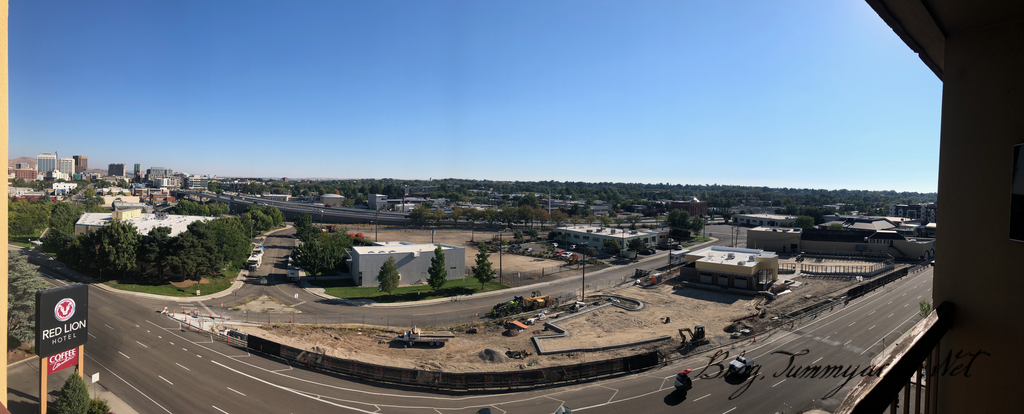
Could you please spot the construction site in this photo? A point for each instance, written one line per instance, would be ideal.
(655, 311)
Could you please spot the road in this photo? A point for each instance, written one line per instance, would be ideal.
(156, 367)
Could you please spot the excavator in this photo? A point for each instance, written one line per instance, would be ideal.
(696, 335)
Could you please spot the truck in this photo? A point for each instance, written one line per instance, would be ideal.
(255, 261)
(741, 366)
(294, 273)
(416, 336)
(257, 248)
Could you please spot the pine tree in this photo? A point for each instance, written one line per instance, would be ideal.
(24, 282)
(73, 397)
(438, 273)
(388, 276)
(483, 271)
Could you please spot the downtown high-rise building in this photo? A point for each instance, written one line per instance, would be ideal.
(81, 163)
(66, 165)
(115, 170)
(46, 162)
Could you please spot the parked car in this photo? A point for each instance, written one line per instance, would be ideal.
(528, 250)
(679, 247)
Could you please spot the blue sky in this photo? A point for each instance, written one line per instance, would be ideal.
(817, 94)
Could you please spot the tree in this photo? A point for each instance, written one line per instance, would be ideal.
(312, 257)
(559, 217)
(438, 272)
(612, 245)
(63, 216)
(73, 397)
(420, 214)
(117, 245)
(98, 406)
(483, 271)
(805, 222)
(518, 235)
(678, 219)
(388, 277)
(605, 221)
(156, 248)
(637, 244)
(924, 308)
(836, 226)
(534, 234)
(590, 219)
(23, 283)
(304, 227)
(696, 224)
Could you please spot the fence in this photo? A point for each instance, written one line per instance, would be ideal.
(456, 381)
(846, 270)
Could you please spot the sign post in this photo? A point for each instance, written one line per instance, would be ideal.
(62, 317)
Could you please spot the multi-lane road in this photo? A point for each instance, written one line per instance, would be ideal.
(156, 367)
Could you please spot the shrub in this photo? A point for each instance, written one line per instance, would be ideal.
(73, 397)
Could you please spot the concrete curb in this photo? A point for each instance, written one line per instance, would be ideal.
(562, 332)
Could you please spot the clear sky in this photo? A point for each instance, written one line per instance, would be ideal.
(817, 94)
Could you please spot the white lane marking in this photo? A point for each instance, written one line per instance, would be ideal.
(92, 335)
(890, 315)
(239, 393)
(147, 330)
(126, 356)
(701, 398)
(919, 296)
(140, 343)
(183, 349)
(730, 410)
(906, 305)
(218, 409)
(890, 332)
(890, 303)
(872, 313)
(111, 327)
(126, 382)
(297, 304)
(160, 337)
(852, 323)
(165, 379)
(291, 390)
(186, 368)
(816, 360)
(829, 336)
(777, 383)
(172, 343)
(872, 327)
(200, 356)
(848, 342)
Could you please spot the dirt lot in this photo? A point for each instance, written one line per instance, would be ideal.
(610, 325)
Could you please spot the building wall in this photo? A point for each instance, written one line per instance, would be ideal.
(982, 105)
(781, 242)
(412, 269)
(751, 220)
(81, 163)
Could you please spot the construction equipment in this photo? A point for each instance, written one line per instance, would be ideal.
(697, 334)
(537, 302)
(416, 336)
(512, 307)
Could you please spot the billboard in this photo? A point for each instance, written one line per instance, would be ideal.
(62, 316)
(62, 360)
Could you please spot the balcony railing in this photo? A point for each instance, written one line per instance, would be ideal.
(901, 371)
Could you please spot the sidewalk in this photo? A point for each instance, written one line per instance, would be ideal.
(23, 387)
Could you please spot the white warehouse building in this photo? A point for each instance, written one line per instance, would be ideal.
(412, 260)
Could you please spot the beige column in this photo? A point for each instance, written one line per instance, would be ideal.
(4, 134)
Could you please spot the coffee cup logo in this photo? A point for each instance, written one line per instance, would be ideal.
(65, 309)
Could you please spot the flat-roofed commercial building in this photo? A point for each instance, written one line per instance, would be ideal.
(735, 267)
(143, 222)
(762, 219)
(115, 170)
(594, 236)
(412, 260)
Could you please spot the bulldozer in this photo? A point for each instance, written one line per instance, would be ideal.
(696, 335)
(537, 302)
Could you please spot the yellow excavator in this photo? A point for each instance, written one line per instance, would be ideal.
(696, 335)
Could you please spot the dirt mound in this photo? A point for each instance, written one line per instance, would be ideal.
(493, 356)
(735, 327)
(190, 282)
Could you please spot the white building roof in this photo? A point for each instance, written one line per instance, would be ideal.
(400, 247)
(145, 222)
(605, 231)
(768, 216)
(740, 256)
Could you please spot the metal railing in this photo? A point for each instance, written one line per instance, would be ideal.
(911, 364)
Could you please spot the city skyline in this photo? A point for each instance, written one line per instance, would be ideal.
(802, 95)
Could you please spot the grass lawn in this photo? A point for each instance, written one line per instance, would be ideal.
(216, 284)
(23, 239)
(344, 289)
(700, 239)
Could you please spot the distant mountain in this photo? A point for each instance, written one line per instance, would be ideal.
(31, 162)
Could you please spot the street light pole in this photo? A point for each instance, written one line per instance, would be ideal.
(501, 241)
(583, 290)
